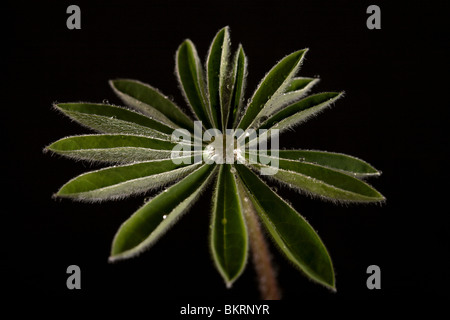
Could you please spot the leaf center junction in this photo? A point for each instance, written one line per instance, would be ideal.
(224, 148)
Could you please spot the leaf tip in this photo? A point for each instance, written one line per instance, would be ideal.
(56, 106)
(56, 195)
(112, 83)
(229, 284)
(60, 195)
(225, 29)
(300, 54)
(377, 197)
(382, 198)
(112, 259)
(330, 284)
(185, 43)
(116, 254)
(229, 281)
(61, 107)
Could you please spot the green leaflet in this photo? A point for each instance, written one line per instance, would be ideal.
(190, 75)
(325, 182)
(273, 84)
(153, 219)
(217, 77)
(121, 181)
(301, 87)
(229, 243)
(111, 119)
(302, 83)
(339, 161)
(300, 111)
(290, 231)
(151, 102)
(239, 77)
(115, 148)
(142, 139)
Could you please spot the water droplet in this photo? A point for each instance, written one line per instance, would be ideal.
(233, 169)
(301, 159)
(246, 199)
(274, 189)
(164, 216)
(105, 101)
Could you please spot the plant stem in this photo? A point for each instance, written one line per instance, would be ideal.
(262, 260)
(268, 284)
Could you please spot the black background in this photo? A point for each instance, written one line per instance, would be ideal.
(393, 116)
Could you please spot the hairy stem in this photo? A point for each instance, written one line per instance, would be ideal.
(262, 260)
(268, 284)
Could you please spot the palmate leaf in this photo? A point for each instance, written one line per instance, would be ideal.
(111, 119)
(114, 148)
(290, 231)
(121, 181)
(151, 102)
(229, 243)
(140, 140)
(153, 219)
